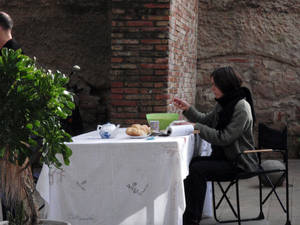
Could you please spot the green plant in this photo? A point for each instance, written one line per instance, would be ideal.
(33, 101)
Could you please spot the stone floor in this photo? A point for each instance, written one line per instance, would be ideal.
(272, 209)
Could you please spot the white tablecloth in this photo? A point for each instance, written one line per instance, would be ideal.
(120, 181)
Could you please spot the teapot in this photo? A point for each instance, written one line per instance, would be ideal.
(107, 130)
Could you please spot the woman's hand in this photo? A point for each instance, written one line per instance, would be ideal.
(181, 104)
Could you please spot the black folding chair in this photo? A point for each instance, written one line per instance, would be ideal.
(269, 140)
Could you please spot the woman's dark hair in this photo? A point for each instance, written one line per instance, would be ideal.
(5, 21)
(226, 79)
(231, 85)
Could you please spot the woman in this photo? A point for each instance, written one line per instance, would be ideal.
(228, 127)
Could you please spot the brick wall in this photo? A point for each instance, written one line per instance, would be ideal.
(153, 56)
(139, 62)
(183, 50)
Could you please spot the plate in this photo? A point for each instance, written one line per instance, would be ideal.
(138, 137)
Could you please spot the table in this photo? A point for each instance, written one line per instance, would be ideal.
(120, 181)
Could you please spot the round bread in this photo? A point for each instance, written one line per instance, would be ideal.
(138, 126)
(146, 129)
(138, 130)
(132, 131)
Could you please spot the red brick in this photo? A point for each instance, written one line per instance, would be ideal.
(158, 6)
(116, 84)
(154, 66)
(137, 97)
(116, 96)
(145, 84)
(132, 84)
(149, 29)
(123, 66)
(131, 121)
(159, 91)
(146, 78)
(162, 23)
(125, 53)
(160, 79)
(145, 90)
(140, 47)
(116, 60)
(139, 23)
(160, 85)
(153, 102)
(151, 41)
(124, 115)
(160, 97)
(152, 17)
(123, 103)
(161, 47)
(131, 90)
(117, 90)
(162, 60)
(125, 41)
(161, 72)
(160, 109)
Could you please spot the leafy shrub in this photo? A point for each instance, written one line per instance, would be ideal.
(32, 103)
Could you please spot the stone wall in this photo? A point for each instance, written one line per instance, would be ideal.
(261, 40)
(62, 33)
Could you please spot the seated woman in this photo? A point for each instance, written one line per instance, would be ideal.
(228, 127)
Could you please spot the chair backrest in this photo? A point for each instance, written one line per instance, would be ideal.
(272, 138)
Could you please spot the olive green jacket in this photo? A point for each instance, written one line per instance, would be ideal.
(235, 138)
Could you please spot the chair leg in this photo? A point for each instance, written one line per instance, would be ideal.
(261, 213)
(214, 200)
(236, 214)
(238, 202)
(288, 222)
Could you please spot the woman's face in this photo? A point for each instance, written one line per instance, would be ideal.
(218, 93)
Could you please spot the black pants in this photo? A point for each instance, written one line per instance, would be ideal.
(203, 169)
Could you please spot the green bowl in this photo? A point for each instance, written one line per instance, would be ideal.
(164, 119)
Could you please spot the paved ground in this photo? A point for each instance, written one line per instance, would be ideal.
(272, 210)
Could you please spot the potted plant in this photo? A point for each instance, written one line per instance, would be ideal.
(33, 102)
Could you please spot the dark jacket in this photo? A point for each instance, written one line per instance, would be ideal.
(234, 139)
(11, 44)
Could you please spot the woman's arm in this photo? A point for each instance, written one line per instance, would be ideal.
(241, 118)
(193, 115)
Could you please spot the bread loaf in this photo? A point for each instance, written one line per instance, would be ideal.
(138, 130)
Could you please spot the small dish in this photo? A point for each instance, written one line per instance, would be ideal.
(138, 137)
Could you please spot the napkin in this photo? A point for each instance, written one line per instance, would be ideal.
(180, 130)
